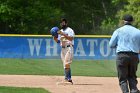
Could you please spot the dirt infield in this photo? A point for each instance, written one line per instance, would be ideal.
(81, 84)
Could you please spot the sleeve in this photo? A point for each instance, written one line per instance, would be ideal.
(59, 36)
(114, 39)
(139, 41)
(71, 33)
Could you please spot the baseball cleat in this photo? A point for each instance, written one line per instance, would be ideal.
(70, 81)
(65, 82)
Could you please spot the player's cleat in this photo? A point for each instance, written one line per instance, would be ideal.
(70, 81)
(65, 82)
(135, 91)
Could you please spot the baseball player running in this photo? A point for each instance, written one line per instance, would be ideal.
(66, 40)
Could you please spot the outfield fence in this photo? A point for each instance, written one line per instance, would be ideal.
(42, 46)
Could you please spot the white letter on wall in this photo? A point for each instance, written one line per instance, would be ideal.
(102, 48)
(91, 43)
(48, 48)
(34, 44)
(79, 50)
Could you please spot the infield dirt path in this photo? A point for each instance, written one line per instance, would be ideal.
(81, 84)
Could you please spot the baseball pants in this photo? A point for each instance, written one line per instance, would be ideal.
(67, 56)
(127, 64)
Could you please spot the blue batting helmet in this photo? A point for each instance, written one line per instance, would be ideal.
(53, 31)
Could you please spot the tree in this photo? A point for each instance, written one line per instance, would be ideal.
(85, 16)
(132, 7)
(122, 7)
(28, 17)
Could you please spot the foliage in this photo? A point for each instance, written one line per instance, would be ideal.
(122, 7)
(85, 16)
(108, 26)
(132, 7)
(28, 17)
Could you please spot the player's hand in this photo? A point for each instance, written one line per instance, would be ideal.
(60, 32)
(55, 39)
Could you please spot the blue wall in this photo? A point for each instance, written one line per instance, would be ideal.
(45, 47)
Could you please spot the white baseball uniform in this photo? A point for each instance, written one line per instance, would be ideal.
(67, 47)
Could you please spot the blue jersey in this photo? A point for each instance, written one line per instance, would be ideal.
(126, 38)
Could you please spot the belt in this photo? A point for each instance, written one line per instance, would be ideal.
(127, 52)
(67, 46)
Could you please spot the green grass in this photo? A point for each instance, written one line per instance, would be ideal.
(94, 68)
(4, 89)
(55, 67)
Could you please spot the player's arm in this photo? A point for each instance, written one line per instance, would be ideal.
(65, 35)
(113, 40)
(56, 39)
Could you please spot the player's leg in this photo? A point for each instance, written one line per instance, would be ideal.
(132, 80)
(68, 72)
(63, 53)
(122, 69)
(68, 61)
